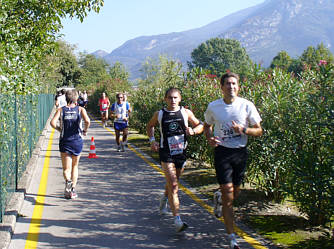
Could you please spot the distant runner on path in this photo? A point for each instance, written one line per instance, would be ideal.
(120, 112)
(70, 142)
(104, 104)
(233, 119)
(173, 122)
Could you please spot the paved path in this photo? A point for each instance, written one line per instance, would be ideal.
(117, 206)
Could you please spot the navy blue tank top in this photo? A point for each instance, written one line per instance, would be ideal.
(71, 127)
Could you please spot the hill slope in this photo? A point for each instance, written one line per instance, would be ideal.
(264, 30)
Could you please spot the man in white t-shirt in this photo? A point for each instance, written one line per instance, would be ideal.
(120, 111)
(61, 100)
(228, 123)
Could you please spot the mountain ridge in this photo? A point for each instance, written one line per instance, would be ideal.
(264, 30)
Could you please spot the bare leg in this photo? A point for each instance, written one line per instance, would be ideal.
(75, 169)
(125, 134)
(118, 134)
(66, 160)
(172, 187)
(228, 195)
(178, 174)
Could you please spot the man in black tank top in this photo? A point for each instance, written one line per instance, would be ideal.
(173, 122)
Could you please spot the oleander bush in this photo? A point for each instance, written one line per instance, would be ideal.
(294, 157)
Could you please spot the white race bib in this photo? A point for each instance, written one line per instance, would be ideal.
(176, 144)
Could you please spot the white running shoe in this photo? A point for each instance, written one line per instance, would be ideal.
(217, 202)
(163, 207)
(68, 189)
(179, 224)
(122, 147)
(233, 242)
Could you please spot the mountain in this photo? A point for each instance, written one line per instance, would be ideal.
(264, 30)
(100, 53)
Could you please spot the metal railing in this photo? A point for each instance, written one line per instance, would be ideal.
(22, 119)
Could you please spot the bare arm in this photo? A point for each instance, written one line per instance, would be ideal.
(197, 125)
(54, 120)
(208, 132)
(255, 130)
(150, 131)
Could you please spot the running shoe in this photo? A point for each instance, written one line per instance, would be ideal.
(73, 194)
(122, 147)
(118, 148)
(234, 244)
(179, 225)
(163, 207)
(217, 202)
(68, 189)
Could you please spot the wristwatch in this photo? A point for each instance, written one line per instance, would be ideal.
(244, 130)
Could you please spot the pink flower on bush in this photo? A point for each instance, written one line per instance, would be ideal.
(211, 76)
(322, 63)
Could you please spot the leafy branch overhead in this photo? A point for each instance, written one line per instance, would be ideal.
(29, 30)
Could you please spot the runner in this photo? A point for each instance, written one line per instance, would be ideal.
(104, 104)
(174, 129)
(70, 141)
(85, 98)
(61, 99)
(120, 112)
(233, 119)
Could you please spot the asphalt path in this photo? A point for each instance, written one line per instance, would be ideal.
(117, 204)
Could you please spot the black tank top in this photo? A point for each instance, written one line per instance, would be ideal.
(173, 129)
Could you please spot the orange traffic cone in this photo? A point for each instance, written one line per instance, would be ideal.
(92, 152)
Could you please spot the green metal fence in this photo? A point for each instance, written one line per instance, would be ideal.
(22, 119)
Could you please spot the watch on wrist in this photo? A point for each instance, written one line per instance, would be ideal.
(244, 130)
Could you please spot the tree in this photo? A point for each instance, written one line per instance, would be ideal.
(281, 60)
(68, 65)
(310, 58)
(219, 55)
(29, 31)
(312, 55)
(118, 71)
(93, 70)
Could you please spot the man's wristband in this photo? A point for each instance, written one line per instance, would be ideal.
(152, 139)
(244, 130)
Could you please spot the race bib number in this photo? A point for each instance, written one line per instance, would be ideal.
(229, 132)
(104, 106)
(176, 144)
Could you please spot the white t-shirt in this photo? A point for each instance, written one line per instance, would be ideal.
(221, 115)
(61, 101)
(122, 110)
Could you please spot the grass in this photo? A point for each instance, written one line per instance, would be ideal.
(253, 208)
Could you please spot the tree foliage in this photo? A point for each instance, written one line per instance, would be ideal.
(29, 30)
(281, 60)
(219, 55)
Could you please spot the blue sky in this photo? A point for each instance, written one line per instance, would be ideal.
(122, 20)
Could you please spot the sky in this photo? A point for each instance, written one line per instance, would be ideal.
(121, 20)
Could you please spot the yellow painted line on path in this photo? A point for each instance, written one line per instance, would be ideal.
(33, 233)
(250, 240)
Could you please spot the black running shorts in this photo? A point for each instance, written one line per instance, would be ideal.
(230, 164)
(178, 160)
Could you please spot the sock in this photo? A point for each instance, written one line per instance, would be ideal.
(232, 236)
(177, 218)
